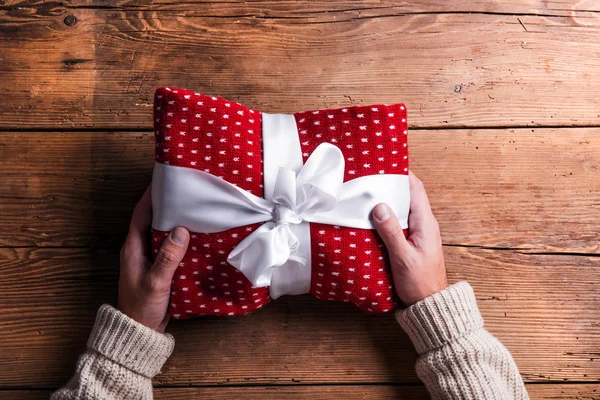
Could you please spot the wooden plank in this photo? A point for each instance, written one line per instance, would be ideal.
(379, 392)
(71, 189)
(544, 308)
(303, 8)
(88, 67)
(570, 391)
(25, 394)
(533, 189)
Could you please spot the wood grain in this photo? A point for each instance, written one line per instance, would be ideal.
(351, 392)
(532, 189)
(302, 8)
(544, 308)
(95, 67)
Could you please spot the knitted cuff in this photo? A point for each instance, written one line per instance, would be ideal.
(129, 343)
(441, 318)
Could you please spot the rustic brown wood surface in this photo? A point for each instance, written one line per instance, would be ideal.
(504, 109)
(97, 67)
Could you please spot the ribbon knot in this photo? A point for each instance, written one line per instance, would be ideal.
(285, 216)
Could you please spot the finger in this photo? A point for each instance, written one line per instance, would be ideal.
(420, 209)
(389, 229)
(133, 260)
(137, 242)
(142, 214)
(419, 202)
(168, 258)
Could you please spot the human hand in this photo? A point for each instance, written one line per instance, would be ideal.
(418, 268)
(144, 287)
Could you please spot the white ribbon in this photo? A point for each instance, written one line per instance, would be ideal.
(277, 254)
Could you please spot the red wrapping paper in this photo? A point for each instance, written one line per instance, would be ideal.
(223, 138)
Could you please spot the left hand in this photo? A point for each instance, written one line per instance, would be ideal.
(145, 287)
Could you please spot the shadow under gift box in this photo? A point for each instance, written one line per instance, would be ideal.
(224, 138)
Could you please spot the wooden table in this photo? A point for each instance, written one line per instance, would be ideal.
(504, 107)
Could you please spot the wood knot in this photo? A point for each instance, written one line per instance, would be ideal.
(70, 20)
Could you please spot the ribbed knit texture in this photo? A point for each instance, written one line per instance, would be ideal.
(458, 359)
(122, 358)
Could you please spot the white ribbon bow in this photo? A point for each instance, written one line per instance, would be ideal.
(316, 189)
(277, 254)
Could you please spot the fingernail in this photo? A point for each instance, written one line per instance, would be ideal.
(381, 212)
(178, 236)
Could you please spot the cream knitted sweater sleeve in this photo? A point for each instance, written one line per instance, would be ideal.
(458, 359)
(121, 359)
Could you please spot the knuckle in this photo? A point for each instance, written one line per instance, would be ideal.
(419, 184)
(435, 225)
(125, 252)
(393, 238)
(166, 257)
(394, 233)
(155, 284)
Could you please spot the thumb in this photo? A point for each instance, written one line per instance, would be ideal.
(170, 255)
(389, 229)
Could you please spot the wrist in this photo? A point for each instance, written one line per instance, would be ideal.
(129, 343)
(441, 318)
(150, 312)
(413, 293)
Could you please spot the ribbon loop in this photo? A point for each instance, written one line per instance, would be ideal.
(260, 252)
(321, 179)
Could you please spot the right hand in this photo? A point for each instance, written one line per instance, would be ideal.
(418, 268)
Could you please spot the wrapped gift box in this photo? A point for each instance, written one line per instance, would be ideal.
(225, 139)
